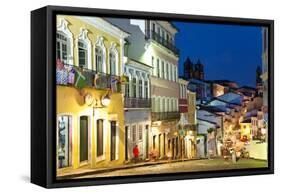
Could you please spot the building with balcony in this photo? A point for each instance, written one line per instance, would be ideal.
(137, 91)
(90, 118)
(153, 43)
(137, 106)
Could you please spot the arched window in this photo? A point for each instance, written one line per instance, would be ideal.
(99, 59)
(163, 105)
(113, 60)
(112, 63)
(82, 54)
(84, 50)
(100, 52)
(127, 88)
(134, 87)
(158, 68)
(64, 42)
(171, 72)
(140, 88)
(146, 88)
(162, 69)
(62, 51)
(167, 71)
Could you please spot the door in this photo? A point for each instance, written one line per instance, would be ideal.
(84, 138)
(64, 128)
(159, 145)
(126, 143)
(146, 141)
(113, 140)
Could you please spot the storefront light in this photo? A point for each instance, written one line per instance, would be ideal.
(105, 100)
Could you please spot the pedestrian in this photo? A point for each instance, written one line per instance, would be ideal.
(136, 153)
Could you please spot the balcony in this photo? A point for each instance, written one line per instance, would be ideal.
(160, 116)
(66, 75)
(161, 40)
(137, 102)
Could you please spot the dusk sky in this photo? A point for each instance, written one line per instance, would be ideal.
(227, 51)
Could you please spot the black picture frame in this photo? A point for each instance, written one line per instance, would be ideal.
(43, 96)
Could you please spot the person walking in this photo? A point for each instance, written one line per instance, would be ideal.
(136, 153)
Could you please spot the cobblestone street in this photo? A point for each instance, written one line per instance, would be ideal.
(185, 166)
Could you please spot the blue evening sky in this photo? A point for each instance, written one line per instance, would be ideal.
(227, 51)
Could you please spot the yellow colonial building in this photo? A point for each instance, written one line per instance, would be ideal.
(90, 114)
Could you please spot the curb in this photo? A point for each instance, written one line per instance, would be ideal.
(71, 176)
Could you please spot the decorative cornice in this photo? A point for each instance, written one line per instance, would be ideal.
(105, 26)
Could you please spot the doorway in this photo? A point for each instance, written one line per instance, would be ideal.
(84, 139)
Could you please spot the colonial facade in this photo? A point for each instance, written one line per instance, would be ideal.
(162, 54)
(90, 118)
(137, 107)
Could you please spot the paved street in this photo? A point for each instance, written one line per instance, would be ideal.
(185, 166)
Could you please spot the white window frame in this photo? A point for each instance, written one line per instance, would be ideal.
(114, 50)
(100, 43)
(83, 37)
(62, 27)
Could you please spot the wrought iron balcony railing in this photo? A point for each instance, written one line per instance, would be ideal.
(160, 116)
(164, 42)
(137, 102)
(68, 75)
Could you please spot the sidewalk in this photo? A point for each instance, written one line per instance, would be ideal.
(73, 173)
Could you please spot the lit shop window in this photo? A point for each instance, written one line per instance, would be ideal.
(64, 129)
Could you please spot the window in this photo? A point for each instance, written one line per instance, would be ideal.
(158, 68)
(82, 54)
(153, 66)
(99, 59)
(163, 69)
(127, 89)
(64, 128)
(163, 105)
(99, 137)
(175, 74)
(134, 87)
(167, 71)
(112, 63)
(140, 89)
(61, 47)
(171, 72)
(134, 133)
(168, 105)
(113, 140)
(145, 89)
(153, 27)
(140, 132)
